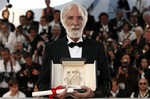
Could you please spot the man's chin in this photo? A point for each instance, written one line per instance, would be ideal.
(75, 37)
(75, 34)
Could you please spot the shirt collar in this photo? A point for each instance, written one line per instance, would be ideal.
(70, 40)
(114, 93)
(145, 94)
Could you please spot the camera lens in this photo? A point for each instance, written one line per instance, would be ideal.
(125, 65)
(124, 68)
(125, 62)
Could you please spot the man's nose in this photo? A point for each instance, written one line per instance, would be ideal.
(75, 21)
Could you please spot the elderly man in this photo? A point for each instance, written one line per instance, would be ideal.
(74, 18)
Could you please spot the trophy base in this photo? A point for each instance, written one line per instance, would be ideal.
(77, 88)
(80, 90)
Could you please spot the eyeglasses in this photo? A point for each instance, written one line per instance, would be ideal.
(143, 83)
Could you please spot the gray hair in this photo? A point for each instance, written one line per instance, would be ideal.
(67, 8)
(139, 28)
(56, 25)
(146, 14)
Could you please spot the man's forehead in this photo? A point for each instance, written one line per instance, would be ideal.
(74, 11)
(142, 80)
(73, 8)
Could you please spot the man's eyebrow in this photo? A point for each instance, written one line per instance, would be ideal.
(78, 17)
(69, 17)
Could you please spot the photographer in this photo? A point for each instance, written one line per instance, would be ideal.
(9, 69)
(127, 76)
(43, 25)
(143, 68)
(103, 27)
(125, 43)
(21, 36)
(28, 75)
(114, 55)
(38, 53)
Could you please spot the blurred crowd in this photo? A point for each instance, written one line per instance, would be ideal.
(126, 38)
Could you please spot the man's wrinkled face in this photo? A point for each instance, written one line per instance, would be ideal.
(74, 23)
(55, 31)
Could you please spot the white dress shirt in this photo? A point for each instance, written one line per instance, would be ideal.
(114, 93)
(145, 95)
(53, 23)
(131, 35)
(9, 41)
(75, 52)
(43, 27)
(18, 95)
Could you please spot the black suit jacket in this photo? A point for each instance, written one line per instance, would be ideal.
(114, 27)
(91, 50)
(98, 26)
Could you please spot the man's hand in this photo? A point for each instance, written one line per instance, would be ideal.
(62, 95)
(35, 72)
(89, 93)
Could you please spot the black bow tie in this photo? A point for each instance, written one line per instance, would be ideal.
(72, 44)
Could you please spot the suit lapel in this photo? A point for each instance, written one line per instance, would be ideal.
(85, 49)
(64, 47)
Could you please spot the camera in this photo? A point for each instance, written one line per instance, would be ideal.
(8, 76)
(125, 65)
(44, 30)
(29, 73)
(128, 47)
(125, 62)
(109, 45)
(8, 5)
(101, 36)
(104, 30)
(140, 68)
(40, 50)
(1, 77)
(124, 68)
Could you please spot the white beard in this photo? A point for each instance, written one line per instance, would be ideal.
(74, 33)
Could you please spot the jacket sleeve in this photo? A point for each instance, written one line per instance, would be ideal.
(45, 75)
(104, 78)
